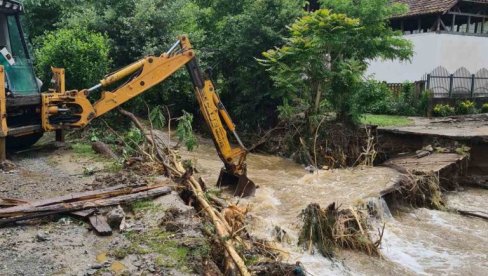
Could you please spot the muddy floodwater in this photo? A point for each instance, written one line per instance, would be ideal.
(415, 241)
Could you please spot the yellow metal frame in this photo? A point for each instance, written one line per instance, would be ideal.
(3, 105)
(145, 74)
(213, 110)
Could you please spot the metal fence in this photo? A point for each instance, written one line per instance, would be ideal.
(460, 84)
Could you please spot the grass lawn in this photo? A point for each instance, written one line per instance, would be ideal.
(385, 120)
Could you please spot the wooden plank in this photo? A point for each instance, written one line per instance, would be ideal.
(83, 196)
(35, 212)
(469, 14)
(9, 202)
(100, 225)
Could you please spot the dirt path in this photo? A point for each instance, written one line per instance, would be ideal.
(67, 246)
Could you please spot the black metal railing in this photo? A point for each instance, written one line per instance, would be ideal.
(460, 84)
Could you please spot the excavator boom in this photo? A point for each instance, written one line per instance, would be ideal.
(72, 109)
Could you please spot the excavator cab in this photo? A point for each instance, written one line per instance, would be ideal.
(21, 87)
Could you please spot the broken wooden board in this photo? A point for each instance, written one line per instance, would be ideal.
(9, 215)
(77, 197)
(9, 202)
(100, 225)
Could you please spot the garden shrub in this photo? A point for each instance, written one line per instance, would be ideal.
(484, 108)
(443, 110)
(376, 98)
(84, 54)
(466, 107)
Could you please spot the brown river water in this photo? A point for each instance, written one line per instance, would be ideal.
(415, 242)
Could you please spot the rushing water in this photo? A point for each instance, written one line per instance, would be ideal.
(415, 242)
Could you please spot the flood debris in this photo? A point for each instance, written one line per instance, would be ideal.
(422, 190)
(100, 224)
(80, 201)
(159, 152)
(332, 228)
(477, 214)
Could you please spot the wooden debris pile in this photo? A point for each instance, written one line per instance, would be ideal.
(331, 228)
(156, 150)
(82, 204)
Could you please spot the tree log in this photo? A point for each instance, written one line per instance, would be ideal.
(104, 150)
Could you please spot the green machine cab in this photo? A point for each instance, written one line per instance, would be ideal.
(22, 88)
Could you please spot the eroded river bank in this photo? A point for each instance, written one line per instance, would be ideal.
(416, 241)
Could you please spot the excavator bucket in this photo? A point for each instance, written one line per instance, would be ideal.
(240, 185)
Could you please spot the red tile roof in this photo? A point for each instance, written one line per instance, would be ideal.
(418, 7)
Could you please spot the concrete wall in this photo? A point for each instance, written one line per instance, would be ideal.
(432, 50)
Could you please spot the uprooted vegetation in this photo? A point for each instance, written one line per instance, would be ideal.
(332, 228)
(222, 224)
(421, 190)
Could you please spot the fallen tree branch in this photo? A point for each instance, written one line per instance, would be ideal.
(478, 214)
(176, 171)
(265, 137)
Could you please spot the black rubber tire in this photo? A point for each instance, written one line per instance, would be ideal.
(23, 142)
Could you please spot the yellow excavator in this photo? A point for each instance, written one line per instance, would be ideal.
(25, 114)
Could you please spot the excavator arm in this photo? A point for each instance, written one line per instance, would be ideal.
(72, 109)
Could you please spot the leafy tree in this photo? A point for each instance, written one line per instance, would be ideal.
(42, 15)
(84, 55)
(237, 32)
(326, 55)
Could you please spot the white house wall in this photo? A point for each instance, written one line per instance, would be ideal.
(433, 50)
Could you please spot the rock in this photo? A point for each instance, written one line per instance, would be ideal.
(311, 169)
(7, 166)
(428, 148)
(422, 153)
(96, 266)
(42, 236)
(116, 217)
(90, 272)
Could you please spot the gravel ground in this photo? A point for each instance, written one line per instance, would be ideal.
(66, 246)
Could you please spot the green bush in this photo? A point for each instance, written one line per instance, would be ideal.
(484, 108)
(376, 98)
(443, 110)
(466, 107)
(84, 55)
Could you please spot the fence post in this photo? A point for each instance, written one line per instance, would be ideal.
(451, 83)
(428, 81)
(472, 85)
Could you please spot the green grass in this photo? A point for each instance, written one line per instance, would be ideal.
(166, 246)
(83, 150)
(385, 120)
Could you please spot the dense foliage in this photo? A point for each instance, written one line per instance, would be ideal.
(84, 55)
(228, 36)
(326, 55)
(315, 56)
(376, 98)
